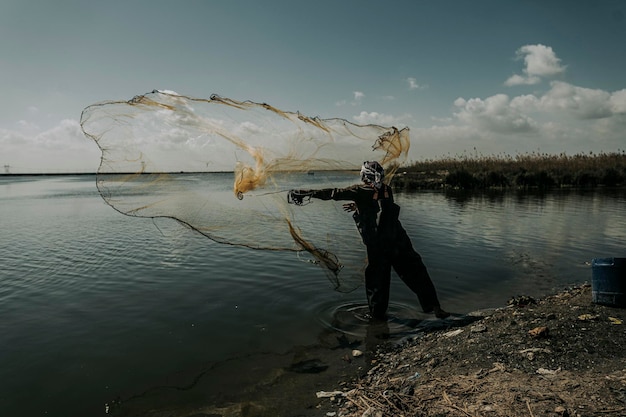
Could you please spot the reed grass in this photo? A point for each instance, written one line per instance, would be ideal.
(528, 170)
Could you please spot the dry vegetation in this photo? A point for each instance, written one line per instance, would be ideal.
(532, 170)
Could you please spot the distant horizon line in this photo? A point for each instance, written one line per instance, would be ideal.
(20, 174)
(41, 174)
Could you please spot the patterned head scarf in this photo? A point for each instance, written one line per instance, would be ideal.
(372, 173)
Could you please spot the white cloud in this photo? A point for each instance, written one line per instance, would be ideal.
(618, 102)
(67, 134)
(9, 139)
(62, 148)
(526, 103)
(610, 127)
(413, 85)
(579, 102)
(565, 118)
(560, 118)
(357, 97)
(365, 118)
(519, 80)
(250, 128)
(539, 61)
(494, 113)
(27, 126)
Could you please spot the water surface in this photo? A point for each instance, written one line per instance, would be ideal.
(94, 304)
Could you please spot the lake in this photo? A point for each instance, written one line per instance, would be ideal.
(95, 305)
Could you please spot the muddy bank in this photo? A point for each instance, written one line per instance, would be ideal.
(558, 356)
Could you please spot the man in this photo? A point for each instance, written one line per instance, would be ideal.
(388, 245)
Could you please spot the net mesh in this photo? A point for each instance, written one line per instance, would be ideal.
(224, 168)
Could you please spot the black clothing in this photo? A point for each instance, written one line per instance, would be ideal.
(388, 245)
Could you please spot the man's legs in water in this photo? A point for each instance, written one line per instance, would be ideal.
(409, 266)
(377, 282)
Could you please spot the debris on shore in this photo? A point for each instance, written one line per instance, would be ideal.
(558, 356)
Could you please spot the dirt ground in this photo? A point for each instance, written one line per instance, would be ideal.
(558, 356)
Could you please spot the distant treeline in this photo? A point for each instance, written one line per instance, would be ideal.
(531, 170)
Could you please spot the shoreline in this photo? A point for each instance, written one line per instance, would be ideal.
(560, 355)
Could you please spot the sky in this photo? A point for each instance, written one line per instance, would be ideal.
(466, 77)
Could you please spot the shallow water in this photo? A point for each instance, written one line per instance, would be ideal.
(94, 304)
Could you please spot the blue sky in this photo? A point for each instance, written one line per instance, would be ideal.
(495, 76)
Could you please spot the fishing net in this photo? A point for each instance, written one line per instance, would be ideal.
(224, 168)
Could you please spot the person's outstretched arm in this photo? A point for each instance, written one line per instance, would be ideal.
(299, 197)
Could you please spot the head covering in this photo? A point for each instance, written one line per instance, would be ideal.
(372, 173)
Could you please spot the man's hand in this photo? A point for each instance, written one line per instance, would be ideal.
(349, 207)
(298, 197)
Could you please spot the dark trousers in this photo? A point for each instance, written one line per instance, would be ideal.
(399, 255)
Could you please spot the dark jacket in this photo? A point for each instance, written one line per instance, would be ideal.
(376, 216)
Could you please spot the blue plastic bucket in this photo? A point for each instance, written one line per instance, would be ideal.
(608, 281)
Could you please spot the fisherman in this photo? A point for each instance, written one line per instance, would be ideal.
(377, 218)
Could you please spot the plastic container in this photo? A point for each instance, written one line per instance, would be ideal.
(608, 281)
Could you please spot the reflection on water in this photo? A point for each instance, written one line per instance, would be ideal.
(95, 304)
(481, 247)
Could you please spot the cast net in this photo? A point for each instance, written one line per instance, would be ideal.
(224, 168)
